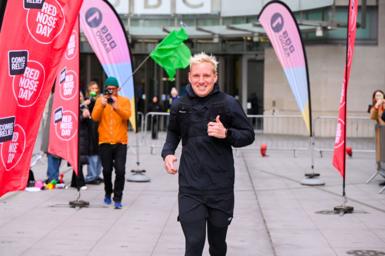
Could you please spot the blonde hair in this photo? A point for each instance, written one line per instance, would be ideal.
(204, 58)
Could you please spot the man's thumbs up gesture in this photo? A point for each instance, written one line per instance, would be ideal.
(216, 129)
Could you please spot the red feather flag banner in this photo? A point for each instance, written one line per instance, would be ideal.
(339, 156)
(63, 130)
(30, 51)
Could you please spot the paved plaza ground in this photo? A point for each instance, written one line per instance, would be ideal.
(274, 213)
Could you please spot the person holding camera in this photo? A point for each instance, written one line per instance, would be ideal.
(112, 112)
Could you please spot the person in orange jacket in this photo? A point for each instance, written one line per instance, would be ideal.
(112, 111)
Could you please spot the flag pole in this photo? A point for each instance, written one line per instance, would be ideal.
(138, 175)
(343, 208)
(3, 4)
(136, 70)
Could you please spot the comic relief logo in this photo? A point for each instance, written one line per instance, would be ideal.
(94, 19)
(17, 62)
(277, 23)
(46, 23)
(27, 87)
(71, 50)
(6, 128)
(65, 124)
(68, 83)
(33, 4)
(13, 150)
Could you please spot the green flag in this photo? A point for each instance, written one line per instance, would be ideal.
(171, 53)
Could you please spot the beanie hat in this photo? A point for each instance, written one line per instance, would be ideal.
(111, 81)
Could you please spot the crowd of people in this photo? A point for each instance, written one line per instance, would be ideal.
(103, 138)
(103, 125)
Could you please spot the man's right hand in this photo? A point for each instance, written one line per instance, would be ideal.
(104, 100)
(169, 164)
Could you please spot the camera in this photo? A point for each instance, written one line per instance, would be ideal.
(108, 92)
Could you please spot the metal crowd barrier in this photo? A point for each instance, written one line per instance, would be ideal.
(282, 132)
(279, 132)
(380, 154)
(161, 124)
(359, 132)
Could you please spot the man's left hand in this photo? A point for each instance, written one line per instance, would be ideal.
(114, 104)
(216, 129)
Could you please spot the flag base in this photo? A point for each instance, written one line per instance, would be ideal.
(343, 209)
(79, 203)
(312, 175)
(311, 179)
(138, 176)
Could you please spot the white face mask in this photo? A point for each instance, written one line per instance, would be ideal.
(379, 96)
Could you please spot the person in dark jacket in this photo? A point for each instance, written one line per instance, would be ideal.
(154, 106)
(77, 181)
(208, 122)
(94, 167)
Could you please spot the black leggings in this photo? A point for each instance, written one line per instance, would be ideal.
(195, 235)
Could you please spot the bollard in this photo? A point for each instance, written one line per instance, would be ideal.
(263, 150)
(349, 151)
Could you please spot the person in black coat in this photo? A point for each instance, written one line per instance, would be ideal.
(209, 123)
(94, 167)
(78, 181)
(154, 106)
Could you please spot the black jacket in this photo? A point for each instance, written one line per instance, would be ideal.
(206, 164)
(93, 135)
(83, 139)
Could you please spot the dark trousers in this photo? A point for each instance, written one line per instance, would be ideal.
(154, 127)
(113, 156)
(198, 212)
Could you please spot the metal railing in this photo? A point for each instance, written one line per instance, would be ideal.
(280, 132)
(359, 133)
(155, 122)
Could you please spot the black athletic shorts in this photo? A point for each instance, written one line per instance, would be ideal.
(217, 209)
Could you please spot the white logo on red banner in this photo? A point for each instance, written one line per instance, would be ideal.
(71, 47)
(65, 127)
(13, 150)
(339, 138)
(27, 87)
(68, 86)
(45, 24)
